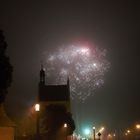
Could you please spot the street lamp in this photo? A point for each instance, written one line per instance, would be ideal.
(37, 109)
(137, 131)
(102, 129)
(87, 132)
(65, 130)
(65, 125)
(109, 136)
(128, 131)
(93, 133)
(138, 126)
(114, 135)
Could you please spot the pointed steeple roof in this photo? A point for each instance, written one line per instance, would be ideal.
(42, 75)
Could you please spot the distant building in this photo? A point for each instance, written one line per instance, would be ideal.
(53, 94)
(7, 127)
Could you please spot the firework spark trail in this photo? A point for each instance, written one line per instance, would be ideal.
(84, 66)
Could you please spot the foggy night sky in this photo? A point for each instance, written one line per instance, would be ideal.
(33, 27)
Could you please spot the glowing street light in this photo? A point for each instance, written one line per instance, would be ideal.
(37, 107)
(65, 125)
(128, 131)
(138, 126)
(87, 131)
(126, 134)
(109, 136)
(114, 135)
(102, 129)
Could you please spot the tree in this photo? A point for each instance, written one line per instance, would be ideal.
(5, 69)
(55, 118)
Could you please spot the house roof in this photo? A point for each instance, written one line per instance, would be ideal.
(5, 121)
(54, 93)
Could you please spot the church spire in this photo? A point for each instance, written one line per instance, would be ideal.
(68, 81)
(42, 75)
(68, 85)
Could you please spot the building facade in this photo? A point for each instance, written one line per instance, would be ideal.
(55, 100)
(53, 94)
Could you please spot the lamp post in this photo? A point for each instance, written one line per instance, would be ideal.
(137, 131)
(93, 133)
(37, 109)
(65, 127)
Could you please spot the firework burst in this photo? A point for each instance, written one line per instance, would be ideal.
(85, 67)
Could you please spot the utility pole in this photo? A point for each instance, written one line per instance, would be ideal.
(94, 133)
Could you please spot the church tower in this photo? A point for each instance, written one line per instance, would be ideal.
(53, 94)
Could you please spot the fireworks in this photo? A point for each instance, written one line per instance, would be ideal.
(84, 66)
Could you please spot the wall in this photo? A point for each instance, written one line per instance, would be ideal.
(7, 133)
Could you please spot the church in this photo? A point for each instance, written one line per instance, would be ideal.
(53, 94)
(55, 110)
